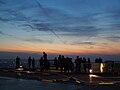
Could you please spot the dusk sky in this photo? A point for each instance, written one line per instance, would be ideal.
(69, 27)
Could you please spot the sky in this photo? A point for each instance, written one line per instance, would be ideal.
(67, 27)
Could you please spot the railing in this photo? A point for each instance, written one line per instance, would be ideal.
(95, 67)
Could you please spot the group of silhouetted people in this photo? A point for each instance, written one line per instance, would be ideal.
(44, 63)
(61, 62)
(65, 64)
(85, 62)
(31, 63)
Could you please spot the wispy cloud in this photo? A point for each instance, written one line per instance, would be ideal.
(2, 33)
(59, 22)
(2, 2)
(47, 15)
(113, 38)
(36, 40)
(83, 43)
(4, 19)
(42, 8)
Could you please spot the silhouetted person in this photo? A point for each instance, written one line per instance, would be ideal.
(89, 64)
(41, 64)
(44, 56)
(56, 63)
(62, 64)
(78, 65)
(59, 60)
(29, 62)
(100, 60)
(47, 66)
(17, 62)
(71, 65)
(96, 60)
(84, 64)
(33, 64)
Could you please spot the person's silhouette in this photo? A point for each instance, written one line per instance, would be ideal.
(17, 62)
(29, 62)
(44, 56)
(41, 64)
(33, 64)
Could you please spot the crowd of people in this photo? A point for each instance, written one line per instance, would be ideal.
(65, 64)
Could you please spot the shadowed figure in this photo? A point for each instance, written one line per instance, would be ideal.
(84, 64)
(29, 62)
(44, 56)
(46, 64)
(59, 61)
(41, 64)
(17, 62)
(89, 64)
(62, 63)
(33, 63)
(56, 63)
(78, 64)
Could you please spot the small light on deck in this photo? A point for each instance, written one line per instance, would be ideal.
(20, 68)
(91, 75)
(106, 83)
(91, 71)
(101, 67)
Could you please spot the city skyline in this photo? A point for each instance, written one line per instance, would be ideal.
(79, 27)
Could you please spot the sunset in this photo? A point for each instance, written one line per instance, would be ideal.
(60, 27)
(60, 41)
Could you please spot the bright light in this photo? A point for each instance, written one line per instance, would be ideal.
(101, 67)
(105, 83)
(91, 75)
(29, 72)
(20, 66)
(90, 70)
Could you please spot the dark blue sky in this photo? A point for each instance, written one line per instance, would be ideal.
(60, 26)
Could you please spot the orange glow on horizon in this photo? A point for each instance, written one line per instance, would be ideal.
(59, 49)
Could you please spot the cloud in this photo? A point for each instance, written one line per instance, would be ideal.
(113, 38)
(2, 33)
(9, 35)
(83, 43)
(39, 40)
(41, 8)
(59, 22)
(2, 2)
(4, 19)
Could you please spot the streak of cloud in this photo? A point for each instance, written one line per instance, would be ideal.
(46, 14)
(41, 7)
(38, 40)
(1, 2)
(2, 33)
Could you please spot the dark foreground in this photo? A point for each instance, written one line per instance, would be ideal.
(87, 81)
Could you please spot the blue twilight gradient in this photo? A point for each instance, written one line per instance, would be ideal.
(73, 22)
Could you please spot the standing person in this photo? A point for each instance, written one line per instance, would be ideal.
(45, 60)
(56, 63)
(33, 64)
(89, 64)
(41, 64)
(44, 56)
(17, 62)
(77, 64)
(62, 64)
(29, 62)
(84, 64)
(59, 61)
